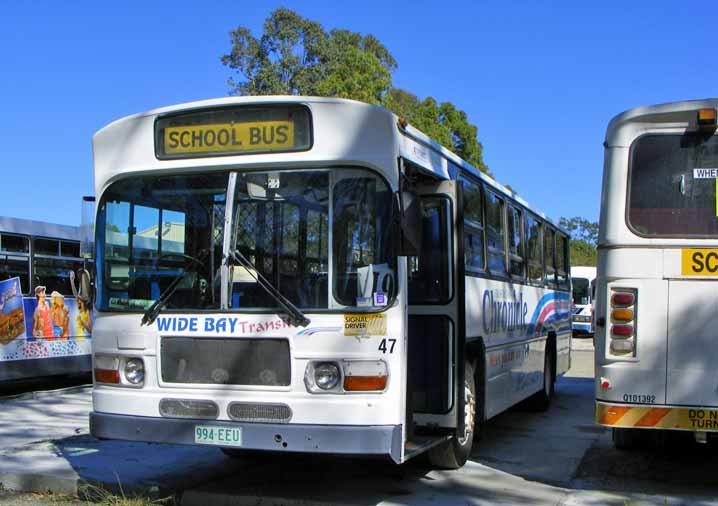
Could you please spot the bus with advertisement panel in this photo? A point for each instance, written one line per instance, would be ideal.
(655, 312)
(44, 329)
(327, 279)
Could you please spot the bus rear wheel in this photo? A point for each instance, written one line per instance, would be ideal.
(454, 453)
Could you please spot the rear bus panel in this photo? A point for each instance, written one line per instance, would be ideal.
(657, 370)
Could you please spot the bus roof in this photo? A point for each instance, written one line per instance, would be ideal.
(581, 271)
(38, 228)
(672, 112)
(413, 144)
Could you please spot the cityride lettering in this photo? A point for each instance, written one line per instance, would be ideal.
(503, 314)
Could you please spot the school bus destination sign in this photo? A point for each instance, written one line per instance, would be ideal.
(229, 137)
(233, 130)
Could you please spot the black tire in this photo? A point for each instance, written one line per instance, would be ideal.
(454, 453)
(541, 400)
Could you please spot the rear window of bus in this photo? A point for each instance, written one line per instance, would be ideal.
(672, 191)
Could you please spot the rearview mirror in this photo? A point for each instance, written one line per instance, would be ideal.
(408, 220)
(83, 290)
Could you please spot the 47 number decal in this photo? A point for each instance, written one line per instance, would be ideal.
(387, 347)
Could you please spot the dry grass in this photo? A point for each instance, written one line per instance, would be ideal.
(100, 496)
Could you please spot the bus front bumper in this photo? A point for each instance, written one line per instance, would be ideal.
(375, 440)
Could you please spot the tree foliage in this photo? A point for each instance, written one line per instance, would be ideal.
(584, 238)
(296, 56)
(581, 229)
(443, 122)
(582, 253)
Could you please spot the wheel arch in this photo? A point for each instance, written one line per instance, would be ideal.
(551, 348)
(475, 354)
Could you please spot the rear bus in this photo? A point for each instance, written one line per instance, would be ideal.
(655, 308)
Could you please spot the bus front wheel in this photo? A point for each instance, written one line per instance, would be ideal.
(541, 400)
(454, 453)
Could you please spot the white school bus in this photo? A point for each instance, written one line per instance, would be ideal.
(657, 288)
(583, 280)
(297, 274)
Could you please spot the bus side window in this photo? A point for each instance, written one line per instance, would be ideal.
(535, 252)
(15, 259)
(474, 255)
(562, 261)
(429, 273)
(516, 242)
(50, 269)
(495, 233)
(549, 246)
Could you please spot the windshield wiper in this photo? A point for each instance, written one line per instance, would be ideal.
(157, 306)
(294, 314)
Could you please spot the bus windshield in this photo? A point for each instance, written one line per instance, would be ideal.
(580, 291)
(320, 237)
(152, 229)
(673, 186)
(313, 233)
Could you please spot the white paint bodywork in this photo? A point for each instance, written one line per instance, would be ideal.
(515, 354)
(345, 133)
(676, 317)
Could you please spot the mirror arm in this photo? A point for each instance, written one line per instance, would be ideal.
(72, 285)
(86, 298)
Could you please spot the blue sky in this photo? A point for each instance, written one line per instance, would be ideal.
(541, 80)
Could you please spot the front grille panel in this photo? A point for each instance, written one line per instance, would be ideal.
(256, 412)
(189, 408)
(255, 362)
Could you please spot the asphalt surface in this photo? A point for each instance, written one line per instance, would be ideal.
(559, 457)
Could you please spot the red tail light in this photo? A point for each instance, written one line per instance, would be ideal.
(622, 330)
(623, 315)
(623, 299)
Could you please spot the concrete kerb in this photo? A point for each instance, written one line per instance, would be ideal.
(40, 483)
(75, 465)
(41, 394)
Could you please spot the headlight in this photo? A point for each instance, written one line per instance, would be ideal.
(326, 375)
(579, 318)
(135, 371)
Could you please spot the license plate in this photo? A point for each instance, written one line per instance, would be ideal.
(217, 435)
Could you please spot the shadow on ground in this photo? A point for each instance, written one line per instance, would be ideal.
(672, 463)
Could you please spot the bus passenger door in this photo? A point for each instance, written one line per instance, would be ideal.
(436, 327)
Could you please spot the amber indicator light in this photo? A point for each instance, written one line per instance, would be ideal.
(107, 376)
(622, 315)
(364, 383)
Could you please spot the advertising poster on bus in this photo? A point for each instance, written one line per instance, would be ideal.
(12, 315)
(46, 325)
